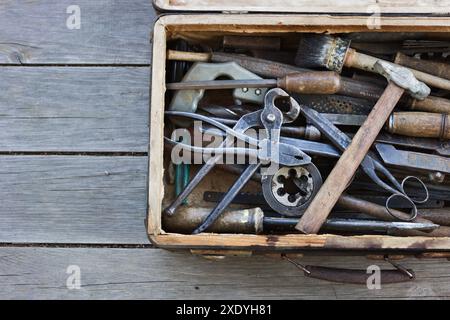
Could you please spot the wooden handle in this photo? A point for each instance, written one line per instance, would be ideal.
(362, 61)
(438, 69)
(348, 163)
(188, 56)
(431, 104)
(439, 216)
(245, 221)
(355, 276)
(311, 82)
(420, 124)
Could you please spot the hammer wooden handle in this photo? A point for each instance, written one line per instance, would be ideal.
(348, 163)
(420, 124)
(362, 61)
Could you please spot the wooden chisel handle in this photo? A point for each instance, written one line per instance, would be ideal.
(430, 104)
(438, 69)
(341, 175)
(311, 82)
(420, 124)
(362, 61)
(439, 216)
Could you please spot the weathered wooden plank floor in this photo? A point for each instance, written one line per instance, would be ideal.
(74, 109)
(156, 274)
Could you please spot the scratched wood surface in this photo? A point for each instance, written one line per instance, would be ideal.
(110, 32)
(73, 170)
(72, 109)
(156, 274)
(73, 199)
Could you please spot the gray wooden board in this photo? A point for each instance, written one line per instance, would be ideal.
(77, 109)
(73, 199)
(111, 32)
(41, 273)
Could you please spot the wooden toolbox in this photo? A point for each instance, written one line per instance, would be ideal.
(199, 18)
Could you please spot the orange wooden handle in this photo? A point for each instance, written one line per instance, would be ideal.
(420, 124)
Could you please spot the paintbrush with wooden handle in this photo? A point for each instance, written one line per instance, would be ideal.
(334, 53)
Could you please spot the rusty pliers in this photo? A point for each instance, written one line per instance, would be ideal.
(271, 150)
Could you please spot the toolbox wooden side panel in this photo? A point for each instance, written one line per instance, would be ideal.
(298, 242)
(303, 6)
(156, 168)
(170, 25)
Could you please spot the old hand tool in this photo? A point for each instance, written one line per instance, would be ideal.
(291, 154)
(262, 67)
(253, 221)
(413, 160)
(334, 53)
(252, 42)
(369, 164)
(290, 190)
(182, 172)
(420, 124)
(309, 82)
(336, 104)
(439, 216)
(308, 132)
(356, 152)
(230, 115)
(439, 147)
(321, 149)
(411, 124)
(271, 119)
(349, 204)
(187, 100)
(312, 82)
(442, 231)
(355, 204)
(438, 69)
(346, 86)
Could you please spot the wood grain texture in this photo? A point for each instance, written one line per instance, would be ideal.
(73, 199)
(296, 242)
(81, 109)
(420, 124)
(111, 32)
(40, 273)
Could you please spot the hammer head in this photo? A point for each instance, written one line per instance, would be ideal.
(404, 78)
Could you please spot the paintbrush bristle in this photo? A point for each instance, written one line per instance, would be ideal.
(321, 51)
